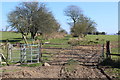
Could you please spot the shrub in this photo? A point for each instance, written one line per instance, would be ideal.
(73, 42)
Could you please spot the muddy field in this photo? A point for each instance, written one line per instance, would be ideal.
(51, 72)
(85, 66)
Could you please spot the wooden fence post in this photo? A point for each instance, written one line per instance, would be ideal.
(0, 59)
(20, 53)
(10, 51)
(108, 49)
(40, 53)
(103, 51)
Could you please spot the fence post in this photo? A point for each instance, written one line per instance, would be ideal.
(103, 51)
(108, 49)
(10, 51)
(40, 53)
(21, 53)
(0, 59)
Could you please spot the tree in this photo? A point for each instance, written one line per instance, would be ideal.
(63, 31)
(118, 33)
(84, 25)
(32, 17)
(73, 12)
(18, 22)
(81, 24)
(103, 33)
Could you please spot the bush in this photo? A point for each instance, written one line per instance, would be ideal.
(73, 42)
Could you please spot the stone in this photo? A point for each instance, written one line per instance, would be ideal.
(47, 42)
(46, 64)
(3, 63)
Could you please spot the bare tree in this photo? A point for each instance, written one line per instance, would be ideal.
(73, 12)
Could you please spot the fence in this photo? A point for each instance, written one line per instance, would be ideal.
(108, 50)
(61, 53)
(23, 53)
(85, 54)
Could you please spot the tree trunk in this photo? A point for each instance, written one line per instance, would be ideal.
(24, 37)
(32, 35)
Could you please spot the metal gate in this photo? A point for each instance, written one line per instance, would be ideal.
(24, 53)
(30, 53)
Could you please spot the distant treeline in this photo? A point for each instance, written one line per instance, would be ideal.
(118, 33)
(96, 33)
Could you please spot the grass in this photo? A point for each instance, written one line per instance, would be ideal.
(102, 38)
(88, 40)
(56, 46)
(32, 65)
(16, 37)
(58, 42)
(71, 65)
(113, 67)
(61, 40)
(12, 37)
(114, 63)
(46, 57)
(15, 55)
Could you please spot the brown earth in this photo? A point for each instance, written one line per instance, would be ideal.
(50, 72)
(58, 67)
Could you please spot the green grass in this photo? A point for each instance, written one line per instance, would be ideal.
(102, 37)
(102, 40)
(56, 46)
(88, 40)
(17, 37)
(58, 41)
(12, 37)
(46, 57)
